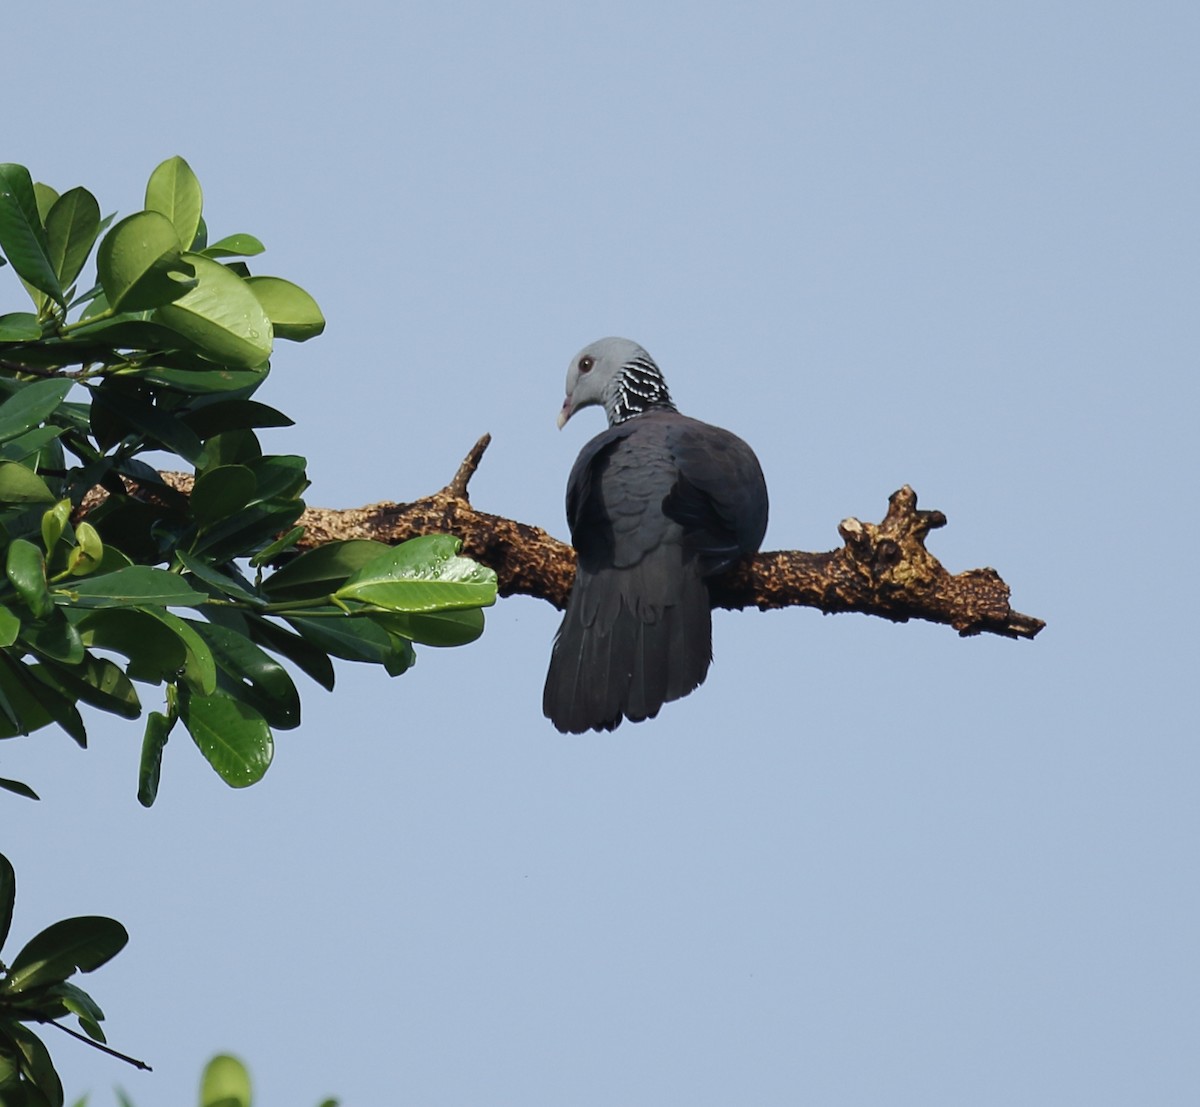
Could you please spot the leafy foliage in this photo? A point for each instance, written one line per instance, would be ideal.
(35, 987)
(113, 578)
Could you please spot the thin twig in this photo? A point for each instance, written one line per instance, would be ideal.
(39, 370)
(102, 1048)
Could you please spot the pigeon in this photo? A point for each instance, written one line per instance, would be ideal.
(658, 504)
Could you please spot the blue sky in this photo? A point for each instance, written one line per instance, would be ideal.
(951, 245)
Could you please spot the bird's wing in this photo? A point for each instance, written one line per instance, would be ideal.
(616, 491)
(719, 496)
(584, 511)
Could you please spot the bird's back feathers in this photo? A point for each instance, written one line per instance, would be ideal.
(656, 504)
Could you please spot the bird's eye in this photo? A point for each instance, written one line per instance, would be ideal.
(586, 363)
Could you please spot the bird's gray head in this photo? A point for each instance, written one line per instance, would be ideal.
(618, 374)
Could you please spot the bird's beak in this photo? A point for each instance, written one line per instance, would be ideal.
(564, 413)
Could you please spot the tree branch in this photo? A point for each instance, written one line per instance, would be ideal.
(881, 569)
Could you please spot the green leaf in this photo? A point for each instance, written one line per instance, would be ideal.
(111, 559)
(219, 581)
(174, 191)
(94, 680)
(93, 298)
(422, 574)
(254, 677)
(21, 485)
(241, 535)
(155, 651)
(36, 1066)
(309, 659)
(221, 316)
(22, 235)
(158, 730)
(88, 554)
(27, 704)
(280, 477)
(199, 670)
(137, 585)
(203, 381)
(10, 627)
(79, 944)
(82, 1006)
(55, 638)
(54, 522)
(72, 227)
(352, 638)
(96, 339)
(26, 571)
(222, 492)
(22, 709)
(236, 447)
(95, 303)
(159, 645)
(18, 788)
(19, 519)
(46, 198)
(293, 312)
(8, 896)
(155, 423)
(438, 628)
(234, 246)
(225, 1081)
(31, 406)
(233, 737)
(140, 264)
(401, 658)
(226, 415)
(201, 239)
(285, 542)
(321, 571)
(10, 1073)
(32, 443)
(274, 506)
(20, 326)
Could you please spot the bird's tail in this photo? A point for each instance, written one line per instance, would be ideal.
(632, 639)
